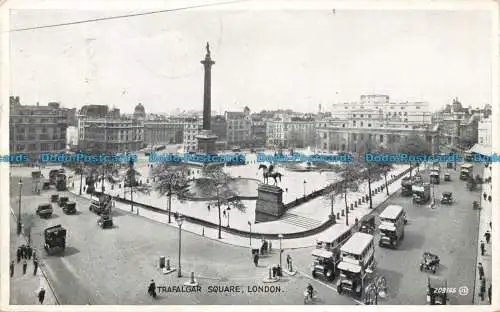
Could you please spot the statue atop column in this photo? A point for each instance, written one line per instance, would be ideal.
(208, 50)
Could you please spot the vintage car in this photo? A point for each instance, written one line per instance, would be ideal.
(69, 208)
(436, 291)
(54, 198)
(46, 185)
(55, 238)
(367, 225)
(44, 210)
(446, 198)
(62, 201)
(429, 262)
(447, 177)
(105, 221)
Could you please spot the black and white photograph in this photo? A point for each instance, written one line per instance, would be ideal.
(240, 153)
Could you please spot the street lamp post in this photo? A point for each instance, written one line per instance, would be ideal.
(19, 226)
(228, 210)
(250, 225)
(180, 220)
(281, 250)
(305, 182)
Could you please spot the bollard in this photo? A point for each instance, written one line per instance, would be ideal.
(203, 231)
(333, 218)
(352, 206)
(355, 204)
(192, 278)
(162, 262)
(338, 215)
(168, 264)
(112, 187)
(363, 199)
(291, 267)
(119, 186)
(359, 201)
(270, 273)
(367, 197)
(342, 212)
(373, 193)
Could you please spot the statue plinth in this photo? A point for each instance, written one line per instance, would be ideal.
(206, 142)
(269, 206)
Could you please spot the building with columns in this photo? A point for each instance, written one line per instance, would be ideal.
(36, 129)
(105, 131)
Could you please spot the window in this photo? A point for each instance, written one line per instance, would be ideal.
(324, 146)
(402, 107)
(361, 124)
(354, 136)
(406, 120)
(343, 125)
(417, 107)
(369, 125)
(361, 116)
(353, 115)
(381, 138)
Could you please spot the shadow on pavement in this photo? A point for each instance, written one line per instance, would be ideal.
(412, 240)
(69, 251)
(118, 213)
(393, 279)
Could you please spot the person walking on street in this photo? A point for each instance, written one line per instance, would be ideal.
(483, 289)
(35, 264)
(41, 295)
(25, 266)
(19, 254)
(487, 236)
(489, 293)
(23, 251)
(256, 259)
(481, 270)
(29, 252)
(12, 268)
(288, 258)
(482, 248)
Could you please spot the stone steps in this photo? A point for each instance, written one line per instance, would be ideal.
(303, 222)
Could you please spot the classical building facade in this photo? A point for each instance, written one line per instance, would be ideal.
(36, 129)
(484, 132)
(108, 133)
(291, 131)
(163, 130)
(192, 127)
(239, 127)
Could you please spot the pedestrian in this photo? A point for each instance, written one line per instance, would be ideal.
(34, 255)
(29, 252)
(12, 268)
(41, 295)
(487, 235)
(35, 264)
(23, 251)
(25, 266)
(490, 224)
(482, 248)
(288, 262)
(481, 270)
(208, 208)
(19, 254)
(483, 289)
(286, 190)
(256, 259)
(489, 293)
(224, 213)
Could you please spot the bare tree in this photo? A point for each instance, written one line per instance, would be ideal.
(351, 179)
(130, 179)
(216, 183)
(28, 223)
(376, 170)
(170, 179)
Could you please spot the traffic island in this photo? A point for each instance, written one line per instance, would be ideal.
(270, 278)
(165, 266)
(192, 282)
(290, 273)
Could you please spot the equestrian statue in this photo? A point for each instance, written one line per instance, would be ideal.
(269, 172)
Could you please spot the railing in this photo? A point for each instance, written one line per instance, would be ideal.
(243, 233)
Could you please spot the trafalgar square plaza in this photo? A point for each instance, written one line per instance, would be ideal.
(375, 201)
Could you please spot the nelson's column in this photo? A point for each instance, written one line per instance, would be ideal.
(206, 139)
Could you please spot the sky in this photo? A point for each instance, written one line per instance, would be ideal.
(264, 59)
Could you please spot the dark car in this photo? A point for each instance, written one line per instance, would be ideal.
(54, 198)
(44, 210)
(69, 208)
(62, 201)
(105, 221)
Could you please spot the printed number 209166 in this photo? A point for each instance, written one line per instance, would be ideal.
(443, 290)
